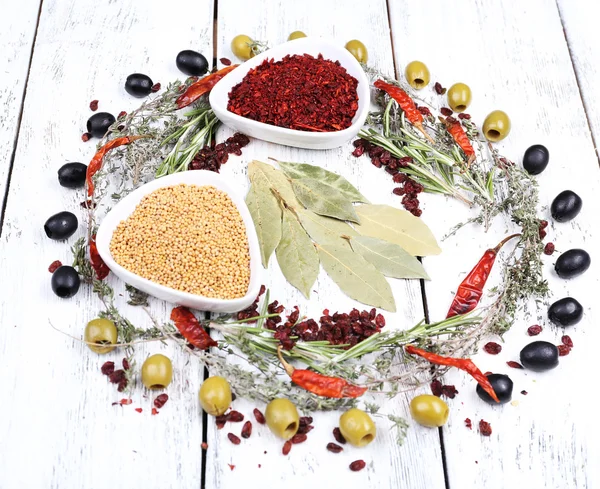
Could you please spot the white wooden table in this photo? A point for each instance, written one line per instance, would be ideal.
(538, 60)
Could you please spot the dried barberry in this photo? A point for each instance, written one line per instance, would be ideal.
(234, 439)
(335, 448)
(485, 428)
(287, 446)
(116, 376)
(513, 364)
(108, 368)
(524, 393)
(161, 400)
(436, 387)
(492, 348)
(446, 111)
(155, 88)
(462, 116)
(534, 330)
(260, 417)
(121, 114)
(54, 266)
(563, 350)
(439, 89)
(247, 429)
(542, 233)
(337, 434)
(125, 363)
(225, 61)
(567, 341)
(468, 423)
(85, 137)
(94, 105)
(235, 417)
(298, 438)
(449, 391)
(549, 249)
(357, 465)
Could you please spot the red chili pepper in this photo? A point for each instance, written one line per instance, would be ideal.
(320, 384)
(96, 260)
(406, 104)
(190, 328)
(202, 86)
(460, 137)
(471, 288)
(98, 158)
(461, 363)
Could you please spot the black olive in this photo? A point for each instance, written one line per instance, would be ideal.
(502, 386)
(98, 124)
(572, 263)
(191, 63)
(539, 356)
(138, 85)
(65, 281)
(72, 175)
(565, 312)
(535, 159)
(61, 226)
(566, 206)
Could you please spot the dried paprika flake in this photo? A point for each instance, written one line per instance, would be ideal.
(299, 92)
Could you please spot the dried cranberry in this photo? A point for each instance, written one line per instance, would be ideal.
(563, 350)
(398, 191)
(125, 363)
(117, 376)
(542, 233)
(446, 111)
(485, 428)
(425, 111)
(107, 368)
(234, 439)
(462, 116)
(335, 448)
(436, 387)
(534, 330)
(122, 385)
(513, 364)
(298, 438)
(449, 391)
(260, 417)
(225, 61)
(337, 434)
(305, 420)
(247, 429)
(468, 423)
(161, 400)
(54, 265)
(287, 446)
(358, 152)
(155, 88)
(357, 465)
(567, 341)
(439, 89)
(549, 248)
(543, 224)
(492, 348)
(94, 105)
(85, 137)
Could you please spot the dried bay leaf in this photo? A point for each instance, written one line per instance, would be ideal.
(275, 179)
(323, 199)
(356, 277)
(296, 255)
(325, 230)
(399, 227)
(266, 214)
(389, 258)
(338, 182)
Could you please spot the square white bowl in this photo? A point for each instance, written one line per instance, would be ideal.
(219, 97)
(125, 208)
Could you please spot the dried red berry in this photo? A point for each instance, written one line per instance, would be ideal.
(357, 465)
(524, 393)
(464, 116)
(85, 137)
(161, 400)
(439, 89)
(567, 341)
(543, 224)
(542, 233)
(449, 391)
(335, 448)
(485, 428)
(549, 248)
(108, 368)
(305, 420)
(220, 421)
(446, 111)
(121, 114)
(436, 387)
(117, 376)
(287, 446)
(298, 438)
(122, 385)
(154, 411)
(234, 439)
(260, 417)
(247, 429)
(492, 348)
(94, 105)
(225, 61)
(125, 364)
(235, 417)
(534, 330)
(468, 423)
(512, 364)
(337, 434)
(54, 265)
(563, 350)
(139, 410)
(155, 88)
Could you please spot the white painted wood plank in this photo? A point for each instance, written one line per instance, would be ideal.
(418, 463)
(58, 428)
(514, 57)
(17, 30)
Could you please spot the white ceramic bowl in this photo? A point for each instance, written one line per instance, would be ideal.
(219, 96)
(125, 208)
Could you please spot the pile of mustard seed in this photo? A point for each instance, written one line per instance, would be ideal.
(188, 238)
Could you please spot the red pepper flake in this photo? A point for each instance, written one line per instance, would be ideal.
(121, 114)
(125, 402)
(235, 417)
(298, 438)
(225, 61)
(563, 350)
(247, 429)
(122, 385)
(85, 137)
(439, 89)
(337, 434)
(139, 410)
(436, 387)
(260, 417)
(512, 364)
(204, 445)
(287, 446)
(462, 116)
(549, 249)
(54, 265)
(161, 400)
(234, 439)
(449, 391)
(492, 348)
(94, 105)
(107, 368)
(125, 364)
(446, 111)
(524, 393)
(231, 466)
(154, 411)
(298, 92)
(485, 428)
(357, 465)
(335, 448)
(468, 423)
(534, 330)
(567, 341)
(155, 88)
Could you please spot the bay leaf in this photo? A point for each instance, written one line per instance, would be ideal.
(296, 255)
(325, 230)
(399, 227)
(389, 258)
(356, 277)
(276, 180)
(323, 199)
(338, 182)
(266, 214)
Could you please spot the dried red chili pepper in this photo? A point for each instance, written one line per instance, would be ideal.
(492, 348)
(96, 163)
(201, 87)
(460, 137)
(461, 363)
(357, 465)
(320, 384)
(337, 434)
(96, 260)
(234, 439)
(406, 104)
(287, 446)
(247, 429)
(332, 447)
(54, 266)
(190, 328)
(260, 417)
(471, 288)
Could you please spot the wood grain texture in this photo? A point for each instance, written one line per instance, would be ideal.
(514, 57)
(418, 463)
(17, 30)
(58, 428)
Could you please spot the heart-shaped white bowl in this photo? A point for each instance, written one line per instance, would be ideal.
(219, 97)
(125, 208)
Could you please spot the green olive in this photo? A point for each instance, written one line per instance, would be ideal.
(215, 395)
(358, 50)
(429, 410)
(417, 74)
(103, 332)
(241, 46)
(282, 418)
(296, 35)
(496, 126)
(459, 97)
(157, 372)
(357, 427)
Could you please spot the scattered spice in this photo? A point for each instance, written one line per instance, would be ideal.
(485, 428)
(333, 447)
(439, 89)
(108, 368)
(549, 249)
(212, 156)
(247, 429)
(154, 411)
(357, 465)
(234, 439)
(259, 416)
(54, 265)
(155, 88)
(563, 350)
(85, 137)
(468, 423)
(492, 348)
(524, 392)
(298, 438)
(337, 434)
(534, 330)
(225, 61)
(299, 92)
(161, 400)
(139, 410)
(513, 364)
(567, 341)
(94, 105)
(287, 446)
